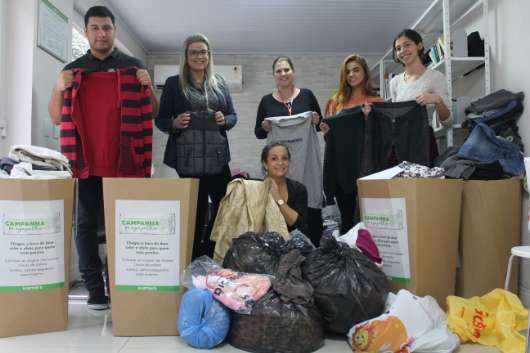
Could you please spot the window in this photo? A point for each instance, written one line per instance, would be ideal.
(79, 43)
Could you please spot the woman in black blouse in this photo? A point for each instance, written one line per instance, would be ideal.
(290, 195)
(288, 99)
(196, 110)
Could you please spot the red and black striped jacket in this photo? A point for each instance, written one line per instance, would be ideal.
(136, 126)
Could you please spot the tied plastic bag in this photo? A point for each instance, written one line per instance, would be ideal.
(261, 252)
(410, 324)
(202, 321)
(348, 287)
(236, 290)
(493, 320)
(285, 319)
(359, 238)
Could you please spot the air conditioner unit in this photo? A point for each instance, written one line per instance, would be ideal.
(232, 73)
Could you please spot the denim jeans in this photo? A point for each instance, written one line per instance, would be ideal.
(401, 127)
(89, 207)
(484, 146)
(498, 118)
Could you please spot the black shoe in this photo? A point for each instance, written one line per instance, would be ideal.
(97, 301)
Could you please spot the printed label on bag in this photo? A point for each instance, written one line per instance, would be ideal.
(147, 245)
(386, 219)
(31, 245)
(31, 224)
(145, 224)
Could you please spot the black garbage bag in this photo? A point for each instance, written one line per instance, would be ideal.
(255, 253)
(285, 319)
(348, 287)
(298, 240)
(261, 252)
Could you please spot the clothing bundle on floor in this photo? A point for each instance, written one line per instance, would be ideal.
(348, 287)
(285, 319)
(261, 252)
(493, 148)
(117, 139)
(202, 322)
(34, 162)
(238, 291)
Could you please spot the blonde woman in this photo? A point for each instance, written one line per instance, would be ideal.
(196, 110)
(355, 88)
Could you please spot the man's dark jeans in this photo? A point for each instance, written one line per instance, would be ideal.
(89, 207)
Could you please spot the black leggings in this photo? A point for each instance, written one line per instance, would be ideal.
(347, 204)
(214, 187)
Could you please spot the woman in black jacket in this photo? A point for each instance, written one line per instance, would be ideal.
(196, 110)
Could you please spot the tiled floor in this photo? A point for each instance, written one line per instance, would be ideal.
(91, 332)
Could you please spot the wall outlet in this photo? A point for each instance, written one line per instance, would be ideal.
(3, 127)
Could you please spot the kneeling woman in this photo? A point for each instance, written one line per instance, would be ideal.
(290, 195)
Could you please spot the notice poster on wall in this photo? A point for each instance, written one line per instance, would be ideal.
(31, 245)
(386, 219)
(147, 245)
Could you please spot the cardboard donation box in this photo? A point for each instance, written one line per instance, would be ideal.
(415, 224)
(150, 226)
(490, 227)
(35, 237)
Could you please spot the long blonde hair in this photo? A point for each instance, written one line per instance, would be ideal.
(211, 80)
(343, 94)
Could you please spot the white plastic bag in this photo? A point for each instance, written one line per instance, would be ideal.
(411, 324)
(236, 290)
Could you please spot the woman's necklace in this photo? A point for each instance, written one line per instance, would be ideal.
(289, 102)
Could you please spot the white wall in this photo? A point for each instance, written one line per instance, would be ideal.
(318, 72)
(20, 19)
(45, 71)
(510, 49)
(3, 11)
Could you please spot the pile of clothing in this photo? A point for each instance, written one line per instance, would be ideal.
(34, 162)
(493, 148)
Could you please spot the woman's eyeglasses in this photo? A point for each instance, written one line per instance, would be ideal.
(196, 53)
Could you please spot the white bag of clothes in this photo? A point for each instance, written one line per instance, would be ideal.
(238, 291)
(410, 324)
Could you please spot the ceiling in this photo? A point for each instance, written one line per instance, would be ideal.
(272, 26)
